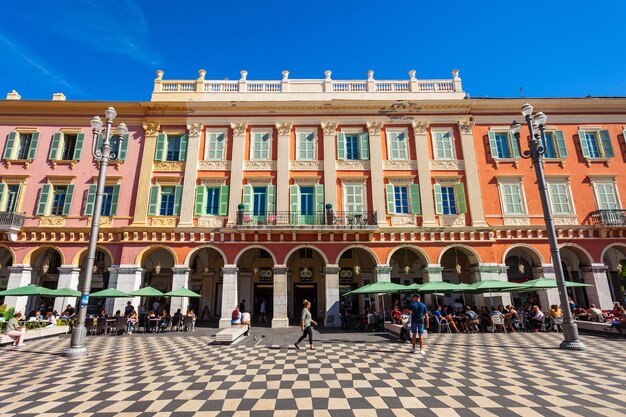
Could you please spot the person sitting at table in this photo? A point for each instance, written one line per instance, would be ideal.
(619, 320)
(396, 315)
(117, 314)
(536, 320)
(458, 307)
(470, 324)
(69, 313)
(165, 319)
(510, 319)
(50, 319)
(35, 315)
(596, 314)
(103, 314)
(191, 314)
(617, 310)
(15, 331)
(152, 321)
(443, 315)
(132, 320)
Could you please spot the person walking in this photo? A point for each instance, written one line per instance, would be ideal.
(262, 311)
(307, 329)
(419, 317)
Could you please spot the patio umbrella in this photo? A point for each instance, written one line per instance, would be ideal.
(146, 292)
(65, 292)
(182, 292)
(493, 285)
(383, 287)
(545, 283)
(109, 293)
(27, 290)
(436, 287)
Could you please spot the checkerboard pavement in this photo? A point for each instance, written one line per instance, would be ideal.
(365, 375)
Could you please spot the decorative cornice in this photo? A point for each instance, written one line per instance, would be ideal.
(164, 221)
(306, 165)
(409, 220)
(229, 270)
(210, 222)
(466, 126)
(283, 128)
(105, 221)
(401, 165)
(151, 129)
(452, 220)
(374, 128)
(52, 221)
(169, 166)
(570, 221)
(344, 165)
(447, 165)
(280, 270)
(214, 166)
(195, 129)
(329, 128)
(516, 221)
(239, 128)
(330, 270)
(259, 165)
(420, 126)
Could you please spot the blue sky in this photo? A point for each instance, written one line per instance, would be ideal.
(92, 52)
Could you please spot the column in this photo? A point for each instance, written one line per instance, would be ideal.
(383, 273)
(229, 294)
(280, 318)
(376, 171)
(191, 174)
(180, 279)
(599, 293)
(550, 296)
(125, 278)
(330, 164)
(331, 279)
(492, 272)
(142, 194)
(472, 180)
(282, 171)
(236, 174)
(423, 173)
(432, 273)
(68, 278)
(19, 276)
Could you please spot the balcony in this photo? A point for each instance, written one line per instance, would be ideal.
(606, 218)
(11, 223)
(323, 220)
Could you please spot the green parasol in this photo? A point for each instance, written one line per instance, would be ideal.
(437, 287)
(65, 292)
(545, 283)
(27, 290)
(494, 285)
(182, 292)
(382, 287)
(110, 293)
(146, 292)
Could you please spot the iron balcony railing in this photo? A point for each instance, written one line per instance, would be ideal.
(11, 221)
(325, 219)
(607, 218)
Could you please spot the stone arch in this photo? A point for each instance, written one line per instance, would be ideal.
(247, 248)
(80, 255)
(533, 253)
(583, 254)
(199, 248)
(139, 260)
(10, 250)
(617, 245)
(28, 258)
(365, 248)
(315, 248)
(415, 248)
(471, 254)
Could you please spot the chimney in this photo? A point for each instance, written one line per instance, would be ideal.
(13, 95)
(58, 97)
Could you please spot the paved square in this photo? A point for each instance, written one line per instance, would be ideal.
(349, 375)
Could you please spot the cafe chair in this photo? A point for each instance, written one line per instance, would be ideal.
(497, 320)
(443, 323)
(187, 323)
(101, 326)
(121, 325)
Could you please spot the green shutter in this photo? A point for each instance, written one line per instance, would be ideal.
(492, 144)
(365, 145)
(124, 148)
(459, 190)
(299, 139)
(414, 191)
(514, 145)
(341, 145)
(55, 148)
(159, 153)
(223, 210)
(8, 149)
(391, 199)
(438, 199)
(270, 202)
(44, 196)
(319, 198)
(182, 154)
(3, 204)
(560, 144)
(178, 196)
(583, 143)
(115, 199)
(153, 204)
(68, 200)
(32, 150)
(100, 142)
(294, 204)
(200, 200)
(78, 148)
(247, 197)
(91, 199)
(605, 138)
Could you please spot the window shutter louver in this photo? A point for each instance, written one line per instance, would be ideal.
(270, 203)
(114, 199)
(182, 154)
(223, 209)
(55, 147)
(416, 207)
(8, 149)
(493, 145)
(159, 154)
(365, 145)
(44, 196)
(438, 199)
(78, 148)
(247, 197)
(200, 200)
(391, 199)
(3, 203)
(515, 148)
(605, 138)
(34, 143)
(319, 198)
(341, 146)
(294, 203)
(91, 200)
(124, 148)
(68, 200)
(583, 143)
(560, 143)
(178, 196)
(460, 198)
(153, 204)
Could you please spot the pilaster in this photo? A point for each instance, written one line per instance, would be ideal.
(280, 317)
(433, 273)
(472, 180)
(19, 276)
(68, 278)
(383, 273)
(330, 169)
(236, 173)
(125, 278)
(488, 271)
(191, 174)
(599, 293)
(549, 296)
(142, 194)
(229, 294)
(423, 172)
(282, 169)
(376, 172)
(331, 281)
(180, 279)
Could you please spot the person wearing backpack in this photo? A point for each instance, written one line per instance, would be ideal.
(236, 316)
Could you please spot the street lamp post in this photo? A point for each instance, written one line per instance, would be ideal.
(103, 155)
(536, 125)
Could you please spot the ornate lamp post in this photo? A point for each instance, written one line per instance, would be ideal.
(536, 126)
(103, 155)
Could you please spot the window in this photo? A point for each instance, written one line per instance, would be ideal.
(444, 145)
(165, 200)
(403, 199)
(260, 146)
(211, 200)
(114, 142)
(55, 200)
(398, 149)
(304, 202)
(259, 201)
(215, 146)
(606, 196)
(305, 146)
(353, 194)
(9, 197)
(560, 198)
(503, 145)
(21, 146)
(66, 146)
(109, 200)
(171, 147)
(353, 146)
(511, 194)
(595, 144)
(450, 199)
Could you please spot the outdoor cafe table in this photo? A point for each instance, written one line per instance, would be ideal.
(156, 322)
(31, 324)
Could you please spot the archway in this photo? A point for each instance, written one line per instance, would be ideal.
(459, 265)
(614, 257)
(157, 263)
(99, 278)
(206, 279)
(523, 264)
(573, 260)
(255, 281)
(46, 262)
(357, 268)
(305, 272)
(6, 260)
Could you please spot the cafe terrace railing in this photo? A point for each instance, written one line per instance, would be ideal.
(328, 219)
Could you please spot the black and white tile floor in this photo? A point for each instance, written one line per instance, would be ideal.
(365, 375)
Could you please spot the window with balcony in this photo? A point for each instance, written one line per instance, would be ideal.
(503, 145)
(444, 144)
(165, 200)
(403, 199)
(560, 197)
(212, 201)
(596, 144)
(110, 199)
(55, 200)
(9, 197)
(215, 146)
(398, 149)
(353, 146)
(305, 146)
(306, 203)
(171, 147)
(66, 146)
(450, 199)
(260, 146)
(606, 195)
(554, 145)
(21, 146)
(259, 203)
